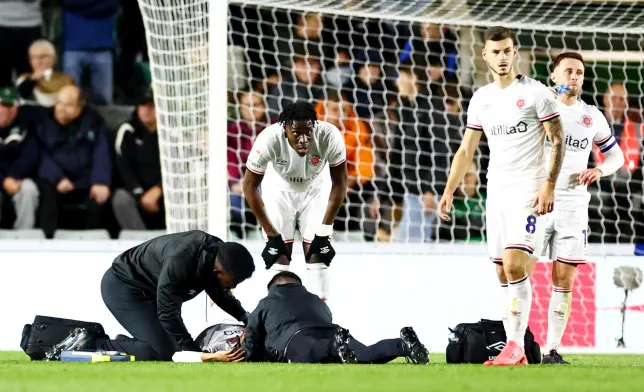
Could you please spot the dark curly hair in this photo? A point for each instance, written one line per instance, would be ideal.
(298, 111)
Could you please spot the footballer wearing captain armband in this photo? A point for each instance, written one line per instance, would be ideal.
(567, 226)
(516, 113)
(300, 164)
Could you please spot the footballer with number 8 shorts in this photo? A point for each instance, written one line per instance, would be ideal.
(516, 113)
(300, 164)
(566, 227)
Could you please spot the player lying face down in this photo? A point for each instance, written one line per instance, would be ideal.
(146, 286)
(289, 160)
(293, 325)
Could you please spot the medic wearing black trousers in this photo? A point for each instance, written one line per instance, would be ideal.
(293, 325)
(146, 286)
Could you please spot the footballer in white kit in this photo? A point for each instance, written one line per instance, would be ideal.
(566, 227)
(300, 164)
(516, 113)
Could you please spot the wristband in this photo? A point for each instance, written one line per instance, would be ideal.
(325, 231)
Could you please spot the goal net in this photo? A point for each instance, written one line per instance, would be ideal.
(396, 76)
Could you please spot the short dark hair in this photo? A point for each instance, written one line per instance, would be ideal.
(567, 55)
(235, 259)
(298, 111)
(499, 33)
(284, 277)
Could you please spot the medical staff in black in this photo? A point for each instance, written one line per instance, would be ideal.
(146, 286)
(293, 325)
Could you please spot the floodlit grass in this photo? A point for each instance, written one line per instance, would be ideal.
(587, 373)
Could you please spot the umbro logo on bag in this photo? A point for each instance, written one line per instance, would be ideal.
(272, 251)
(498, 346)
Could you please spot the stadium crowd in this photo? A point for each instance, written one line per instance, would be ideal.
(88, 157)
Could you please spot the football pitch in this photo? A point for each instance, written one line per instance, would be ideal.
(587, 373)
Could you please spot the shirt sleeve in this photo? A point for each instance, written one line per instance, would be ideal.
(337, 151)
(604, 138)
(473, 121)
(263, 152)
(546, 105)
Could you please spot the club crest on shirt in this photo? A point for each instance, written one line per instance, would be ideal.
(315, 160)
(520, 103)
(587, 121)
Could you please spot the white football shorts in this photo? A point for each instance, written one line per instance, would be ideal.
(286, 209)
(513, 224)
(566, 236)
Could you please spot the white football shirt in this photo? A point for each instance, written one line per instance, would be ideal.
(583, 125)
(273, 157)
(511, 118)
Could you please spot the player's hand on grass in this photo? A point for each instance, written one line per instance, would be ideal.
(445, 206)
(275, 247)
(321, 246)
(589, 176)
(545, 199)
(236, 355)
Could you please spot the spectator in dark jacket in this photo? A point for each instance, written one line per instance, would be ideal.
(293, 325)
(18, 159)
(76, 166)
(139, 205)
(304, 82)
(424, 156)
(88, 30)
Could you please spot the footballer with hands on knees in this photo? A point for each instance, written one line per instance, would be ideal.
(300, 164)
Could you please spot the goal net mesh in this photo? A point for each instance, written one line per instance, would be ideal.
(396, 77)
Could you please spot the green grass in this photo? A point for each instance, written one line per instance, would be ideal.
(587, 373)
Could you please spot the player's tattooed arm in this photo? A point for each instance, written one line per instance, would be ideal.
(252, 182)
(339, 179)
(554, 130)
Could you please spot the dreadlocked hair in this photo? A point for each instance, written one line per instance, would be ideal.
(298, 111)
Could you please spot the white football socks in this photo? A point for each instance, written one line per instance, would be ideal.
(505, 309)
(318, 282)
(558, 312)
(519, 305)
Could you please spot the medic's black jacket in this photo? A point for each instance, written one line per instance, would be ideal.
(176, 268)
(287, 309)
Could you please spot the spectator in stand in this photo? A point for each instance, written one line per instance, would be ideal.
(469, 201)
(367, 92)
(18, 159)
(616, 208)
(88, 43)
(75, 166)
(43, 83)
(386, 207)
(20, 25)
(424, 156)
(353, 215)
(302, 82)
(241, 135)
(139, 206)
(432, 46)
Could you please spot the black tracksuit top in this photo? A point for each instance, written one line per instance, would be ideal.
(176, 268)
